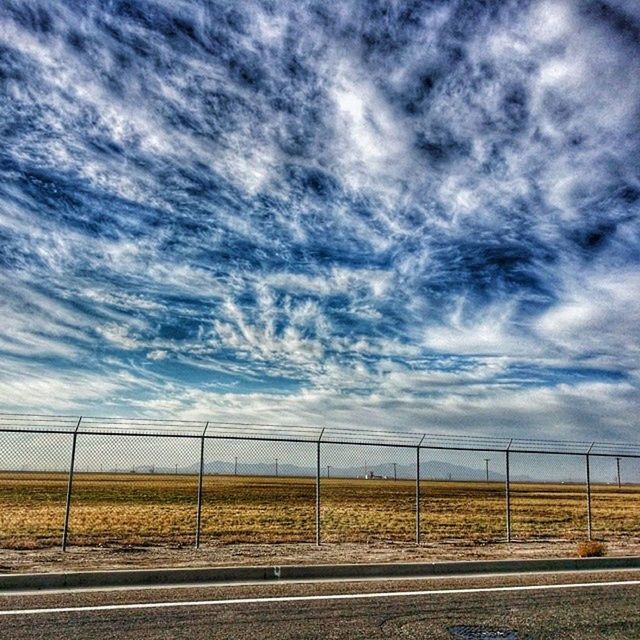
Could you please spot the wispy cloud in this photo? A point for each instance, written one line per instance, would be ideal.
(387, 214)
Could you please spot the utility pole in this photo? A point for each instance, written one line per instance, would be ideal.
(276, 467)
(618, 468)
(395, 471)
(328, 471)
(486, 466)
(235, 466)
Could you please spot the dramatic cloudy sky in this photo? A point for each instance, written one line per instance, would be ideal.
(411, 214)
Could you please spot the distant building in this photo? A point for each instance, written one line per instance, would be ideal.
(372, 476)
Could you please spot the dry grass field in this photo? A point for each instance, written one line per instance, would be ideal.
(140, 509)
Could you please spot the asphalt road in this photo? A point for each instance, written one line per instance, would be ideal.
(549, 606)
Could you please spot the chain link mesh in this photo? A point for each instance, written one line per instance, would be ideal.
(548, 497)
(462, 495)
(137, 483)
(34, 472)
(258, 491)
(615, 497)
(367, 493)
(134, 490)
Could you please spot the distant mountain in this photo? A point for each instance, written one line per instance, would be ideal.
(430, 470)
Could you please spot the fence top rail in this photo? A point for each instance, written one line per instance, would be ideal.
(154, 427)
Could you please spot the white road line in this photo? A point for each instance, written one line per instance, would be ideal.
(342, 596)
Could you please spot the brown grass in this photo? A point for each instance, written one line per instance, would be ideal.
(137, 509)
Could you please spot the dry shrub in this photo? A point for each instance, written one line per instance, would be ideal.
(591, 549)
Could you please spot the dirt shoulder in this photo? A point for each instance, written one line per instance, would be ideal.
(97, 558)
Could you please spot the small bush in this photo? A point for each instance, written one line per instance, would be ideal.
(591, 549)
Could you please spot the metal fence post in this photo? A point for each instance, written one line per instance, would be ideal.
(418, 491)
(67, 510)
(589, 493)
(318, 532)
(507, 491)
(199, 514)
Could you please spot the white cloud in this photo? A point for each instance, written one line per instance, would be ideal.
(371, 145)
(118, 335)
(36, 388)
(493, 330)
(584, 411)
(446, 149)
(157, 354)
(597, 317)
(335, 280)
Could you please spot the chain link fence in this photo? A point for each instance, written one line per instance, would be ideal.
(95, 481)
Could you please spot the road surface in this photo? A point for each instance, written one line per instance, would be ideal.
(561, 606)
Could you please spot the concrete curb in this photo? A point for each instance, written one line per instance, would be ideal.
(212, 575)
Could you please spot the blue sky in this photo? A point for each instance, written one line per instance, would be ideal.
(409, 214)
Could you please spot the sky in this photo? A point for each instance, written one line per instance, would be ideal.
(410, 215)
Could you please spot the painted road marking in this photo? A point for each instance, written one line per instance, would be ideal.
(344, 596)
